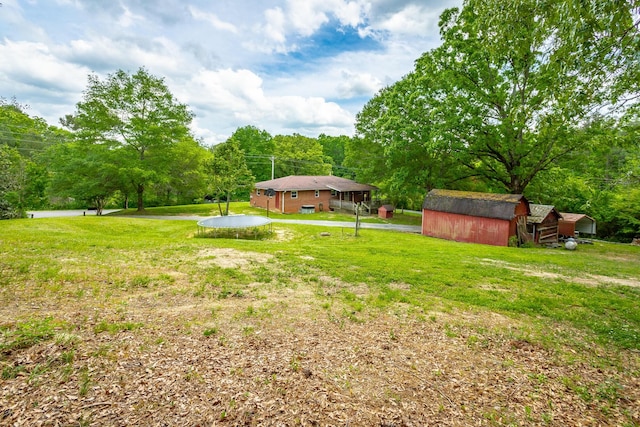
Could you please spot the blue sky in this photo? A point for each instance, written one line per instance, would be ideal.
(285, 66)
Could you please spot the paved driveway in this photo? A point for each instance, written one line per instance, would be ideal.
(74, 212)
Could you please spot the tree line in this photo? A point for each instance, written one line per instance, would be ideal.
(537, 97)
(128, 143)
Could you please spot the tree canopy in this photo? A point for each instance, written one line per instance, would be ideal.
(299, 155)
(228, 172)
(85, 172)
(258, 147)
(11, 172)
(137, 116)
(506, 93)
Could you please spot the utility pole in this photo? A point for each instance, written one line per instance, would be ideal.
(273, 167)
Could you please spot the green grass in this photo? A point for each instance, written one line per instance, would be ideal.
(100, 259)
(237, 208)
(27, 333)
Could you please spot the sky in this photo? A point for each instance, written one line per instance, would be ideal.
(284, 66)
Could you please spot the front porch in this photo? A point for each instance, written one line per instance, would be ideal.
(366, 206)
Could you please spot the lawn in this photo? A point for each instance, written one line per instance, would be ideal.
(243, 208)
(118, 320)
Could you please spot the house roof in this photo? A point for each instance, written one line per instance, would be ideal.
(540, 212)
(488, 205)
(301, 183)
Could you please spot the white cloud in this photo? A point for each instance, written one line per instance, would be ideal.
(274, 28)
(236, 98)
(305, 17)
(105, 55)
(129, 19)
(308, 16)
(413, 19)
(212, 19)
(357, 84)
(272, 35)
(34, 65)
(352, 13)
(308, 112)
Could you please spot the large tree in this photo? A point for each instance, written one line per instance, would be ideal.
(228, 172)
(85, 172)
(333, 148)
(259, 149)
(398, 148)
(512, 82)
(138, 117)
(299, 155)
(12, 170)
(29, 137)
(185, 180)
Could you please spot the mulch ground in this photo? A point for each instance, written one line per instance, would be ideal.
(296, 366)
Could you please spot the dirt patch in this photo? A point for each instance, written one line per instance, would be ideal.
(283, 235)
(332, 286)
(588, 279)
(400, 286)
(231, 258)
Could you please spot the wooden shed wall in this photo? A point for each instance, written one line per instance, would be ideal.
(566, 228)
(466, 228)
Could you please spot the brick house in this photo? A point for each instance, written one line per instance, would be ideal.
(292, 194)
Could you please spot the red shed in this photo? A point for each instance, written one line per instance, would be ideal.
(472, 217)
(385, 211)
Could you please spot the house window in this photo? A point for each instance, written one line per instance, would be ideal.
(294, 194)
(258, 192)
(334, 193)
(317, 193)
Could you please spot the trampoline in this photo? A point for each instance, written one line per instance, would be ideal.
(233, 224)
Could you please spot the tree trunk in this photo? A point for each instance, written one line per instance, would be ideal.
(140, 199)
(228, 198)
(99, 202)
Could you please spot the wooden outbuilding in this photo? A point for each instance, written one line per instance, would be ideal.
(473, 217)
(571, 224)
(385, 211)
(542, 223)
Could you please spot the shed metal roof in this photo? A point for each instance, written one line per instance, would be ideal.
(487, 205)
(574, 217)
(301, 183)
